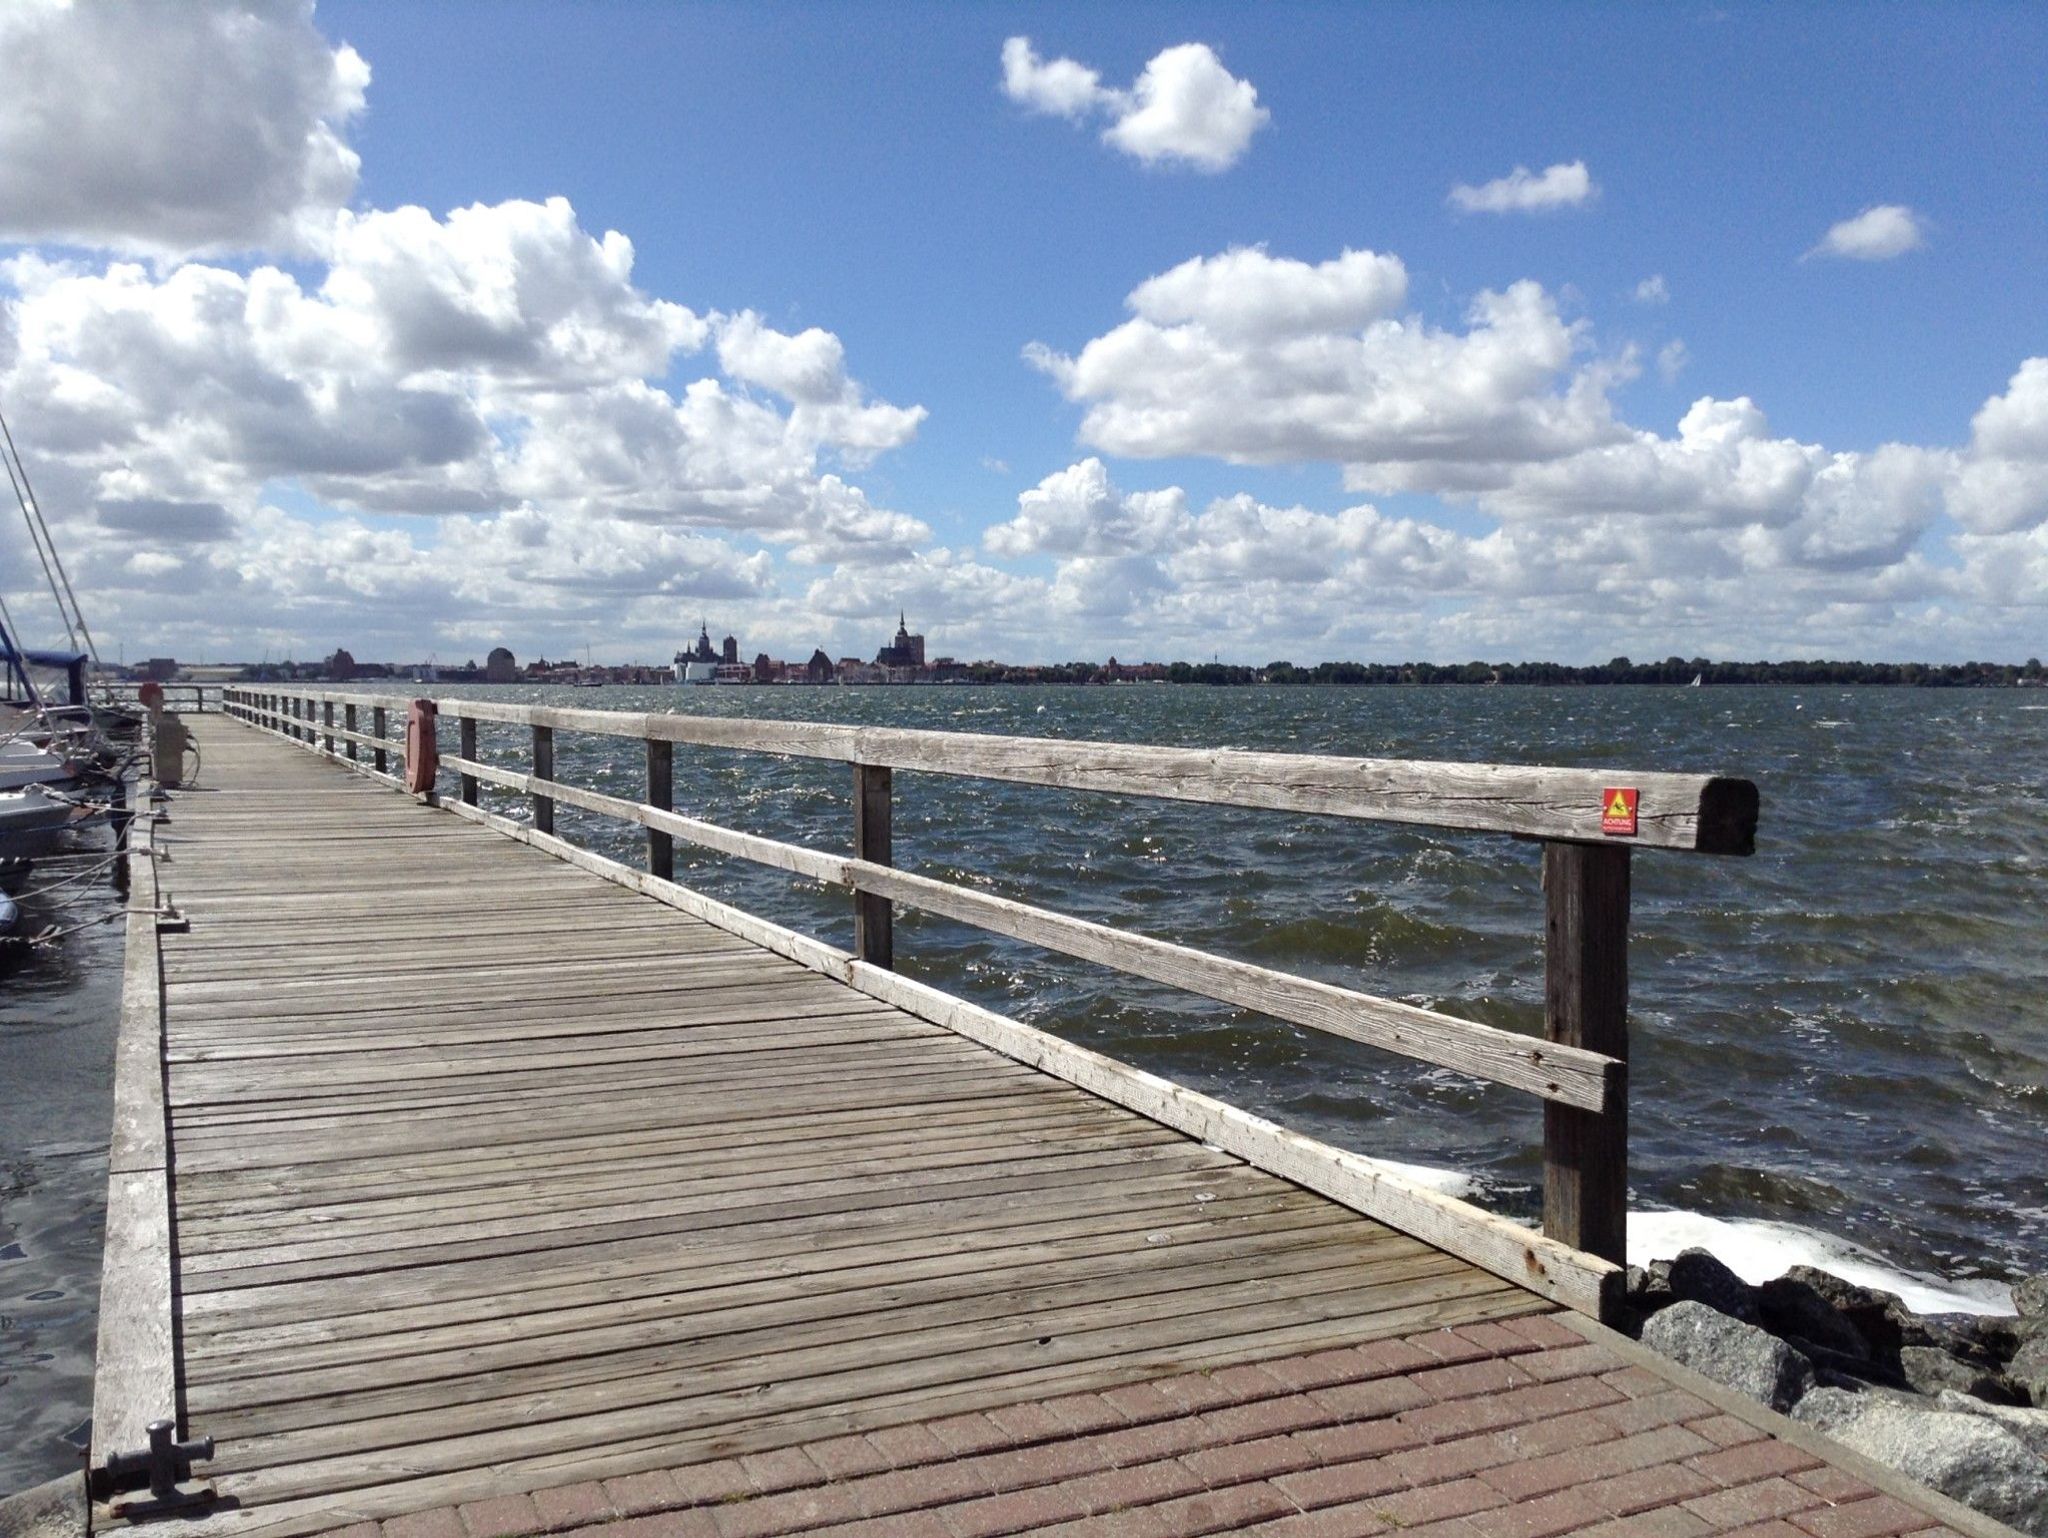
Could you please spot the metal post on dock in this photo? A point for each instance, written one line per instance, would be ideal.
(1585, 1004)
(467, 748)
(379, 759)
(661, 793)
(874, 938)
(327, 720)
(348, 724)
(543, 769)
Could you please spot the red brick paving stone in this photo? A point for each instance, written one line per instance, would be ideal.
(1461, 1418)
(1120, 1489)
(791, 1511)
(1041, 1464)
(1156, 1439)
(1638, 1382)
(1246, 1382)
(1223, 1511)
(1379, 1358)
(1569, 1361)
(1832, 1484)
(1081, 1414)
(1138, 1522)
(1544, 1330)
(1671, 1522)
(1317, 1370)
(1663, 1484)
(966, 1435)
(1753, 1461)
(1565, 1511)
(1265, 1417)
(1727, 1430)
(908, 1446)
(574, 1505)
(1558, 1434)
(1759, 1502)
(501, 1516)
(785, 1468)
(846, 1457)
(1351, 1440)
(1879, 1517)
(1026, 1422)
(1771, 1529)
(1496, 1338)
(1581, 1465)
(633, 1495)
(1015, 1510)
(1461, 1497)
(1338, 1483)
(1449, 1347)
(1454, 1460)
(1489, 1375)
(1563, 1397)
(693, 1523)
(1142, 1402)
(1374, 1397)
(916, 1524)
(1673, 1408)
(1238, 1463)
(699, 1484)
(440, 1523)
(912, 1489)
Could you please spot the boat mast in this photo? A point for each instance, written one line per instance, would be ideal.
(46, 548)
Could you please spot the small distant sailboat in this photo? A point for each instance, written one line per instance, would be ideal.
(1697, 680)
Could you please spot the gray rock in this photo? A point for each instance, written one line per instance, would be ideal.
(2030, 1297)
(1881, 1318)
(1931, 1370)
(1741, 1356)
(1698, 1276)
(1796, 1311)
(2030, 1426)
(2028, 1368)
(1967, 1457)
(54, 1510)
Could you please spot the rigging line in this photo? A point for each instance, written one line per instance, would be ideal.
(33, 502)
(36, 539)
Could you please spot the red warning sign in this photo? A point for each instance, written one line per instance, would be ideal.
(1618, 810)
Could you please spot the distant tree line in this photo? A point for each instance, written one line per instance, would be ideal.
(1620, 670)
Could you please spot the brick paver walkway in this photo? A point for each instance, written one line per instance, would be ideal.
(1513, 1430)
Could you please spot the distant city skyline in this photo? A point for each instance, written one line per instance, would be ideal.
(1228, 331)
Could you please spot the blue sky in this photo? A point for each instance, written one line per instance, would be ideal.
(862, 170)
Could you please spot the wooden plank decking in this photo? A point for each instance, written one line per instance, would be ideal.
(490, 1176)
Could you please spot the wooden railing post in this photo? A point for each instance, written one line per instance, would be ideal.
(378, 729)
(544, 769)
(327, 720)
(661, 793)
(348, 722)
(874, 938)
(467, 748)
(1585, 1004)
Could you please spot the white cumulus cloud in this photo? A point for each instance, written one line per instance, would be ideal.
(1875, 235)
(200, 126)
(1184, 107)
(1522, 191)
(1255, 358)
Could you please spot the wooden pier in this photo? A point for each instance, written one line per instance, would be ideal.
(464, 1176)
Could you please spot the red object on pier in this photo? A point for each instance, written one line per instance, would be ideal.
(422, 752)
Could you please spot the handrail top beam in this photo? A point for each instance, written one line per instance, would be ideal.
(1704, 814)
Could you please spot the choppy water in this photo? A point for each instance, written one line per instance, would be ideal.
(1840, 1047)
(58, 1010)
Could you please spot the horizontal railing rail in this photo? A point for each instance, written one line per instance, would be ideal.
(197, 698)
(1587, 821)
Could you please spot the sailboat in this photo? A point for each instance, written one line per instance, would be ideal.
(1697, 680)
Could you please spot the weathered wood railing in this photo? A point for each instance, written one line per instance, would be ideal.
(1579, 1070)
(196, 698)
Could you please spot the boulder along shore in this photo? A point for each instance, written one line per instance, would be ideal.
(1958, 1402)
